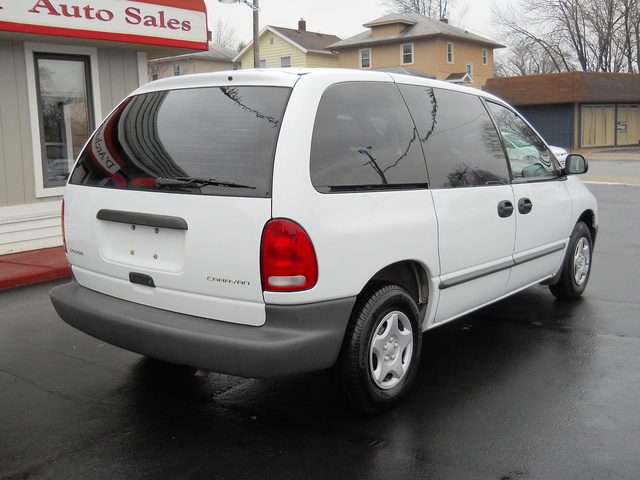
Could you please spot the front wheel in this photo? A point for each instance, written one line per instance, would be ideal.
(576, 266)
(381, 350)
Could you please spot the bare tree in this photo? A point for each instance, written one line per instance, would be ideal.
(526, 57)
(631, 33)
(594, 35)
(430, 8)
(224, 35)
(531, 50)
(156, 70)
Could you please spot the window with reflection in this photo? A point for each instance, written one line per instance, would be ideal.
(215, 141)
(529, 157)
(460, 142)
(65, 111)
(364, 139)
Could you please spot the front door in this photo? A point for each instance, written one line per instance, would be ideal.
(543, 205)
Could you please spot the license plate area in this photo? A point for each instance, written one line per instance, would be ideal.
(146, 247)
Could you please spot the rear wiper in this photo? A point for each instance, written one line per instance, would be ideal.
(197, 182)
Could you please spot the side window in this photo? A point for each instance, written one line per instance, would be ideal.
(528, 156)
(364, 139)
(460, 142)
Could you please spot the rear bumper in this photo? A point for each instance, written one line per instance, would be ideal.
(294, 339)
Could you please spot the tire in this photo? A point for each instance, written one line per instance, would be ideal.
(381, 349)
(576, 267)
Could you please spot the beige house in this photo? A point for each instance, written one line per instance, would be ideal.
(422, 44)
(287, 47)
(215, 59)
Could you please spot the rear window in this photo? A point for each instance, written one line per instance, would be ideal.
(214, 140)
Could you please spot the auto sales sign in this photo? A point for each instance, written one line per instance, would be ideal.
(174, 23)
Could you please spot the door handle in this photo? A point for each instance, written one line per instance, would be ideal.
(524, 206)
(505, 209)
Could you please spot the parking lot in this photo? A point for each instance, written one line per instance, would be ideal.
(528, 388)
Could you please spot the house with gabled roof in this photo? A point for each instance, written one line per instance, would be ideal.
(214, 59)
(288, 47)
(432, 47)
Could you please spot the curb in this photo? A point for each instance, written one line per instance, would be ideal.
(24, 268)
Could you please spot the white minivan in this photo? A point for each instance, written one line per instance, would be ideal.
(264, 223)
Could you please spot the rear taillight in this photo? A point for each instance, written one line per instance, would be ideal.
(64, 239)
(288, 259)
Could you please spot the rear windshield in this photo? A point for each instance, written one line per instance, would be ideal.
(214, 141)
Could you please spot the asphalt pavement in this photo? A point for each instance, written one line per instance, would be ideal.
(528, 388)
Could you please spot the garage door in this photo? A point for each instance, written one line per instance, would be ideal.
(598, 125)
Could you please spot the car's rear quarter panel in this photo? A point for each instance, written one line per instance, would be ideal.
(355, 235)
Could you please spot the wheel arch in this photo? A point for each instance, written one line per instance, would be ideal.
(588, 217)
(410, 275)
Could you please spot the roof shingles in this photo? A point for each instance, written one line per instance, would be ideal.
(567, 87)
(417, 26)
(310, 41)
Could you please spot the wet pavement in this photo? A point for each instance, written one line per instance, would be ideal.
(528, 388)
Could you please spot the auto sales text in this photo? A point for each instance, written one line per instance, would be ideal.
(133, 15)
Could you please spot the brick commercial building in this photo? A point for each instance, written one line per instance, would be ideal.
(577, 109)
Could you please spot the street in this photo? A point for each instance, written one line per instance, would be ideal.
(527, 388)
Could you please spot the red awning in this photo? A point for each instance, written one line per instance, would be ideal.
(170, 23)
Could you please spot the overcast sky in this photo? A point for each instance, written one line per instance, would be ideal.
(343, 18)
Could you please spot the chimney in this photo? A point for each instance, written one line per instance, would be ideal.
(302, 25)
(444, 20)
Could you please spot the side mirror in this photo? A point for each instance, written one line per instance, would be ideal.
(576, 164)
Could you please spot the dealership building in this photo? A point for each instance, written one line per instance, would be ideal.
(63, 67)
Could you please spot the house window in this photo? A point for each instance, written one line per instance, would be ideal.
(484, 56)
(271, 41)
(407, 53)
(365, 58)
(263, 63)
(285, 61)
(176, 69)
(470, 69)
(449, 52)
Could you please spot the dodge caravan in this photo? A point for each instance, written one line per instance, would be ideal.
(273, 222)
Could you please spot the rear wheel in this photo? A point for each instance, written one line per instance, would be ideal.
(576, 266)
(381, 350)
